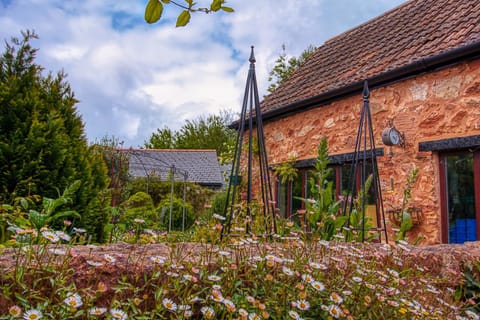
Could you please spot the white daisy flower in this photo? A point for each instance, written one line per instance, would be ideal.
(303, 305)
(294, 315)
(73, 300)
(109, 258)
(254, 316)
(51, 236)
(169, 304)
(214, 277)
(208, 312)
(158, 260)
(32, 314)
(336, 298)
(317, 285)
(335, 311)
(118, 314)
(94, 263)
(62, 235)
(287, 271)
(307, 278)
(95, 311)
(318, 266)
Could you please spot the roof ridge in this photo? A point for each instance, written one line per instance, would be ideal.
(340, 35)
(411, 38)
(167, 150)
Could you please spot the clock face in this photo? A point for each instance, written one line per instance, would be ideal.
(391, 136)
(394, 136)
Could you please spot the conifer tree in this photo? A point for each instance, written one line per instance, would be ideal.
(43, 148)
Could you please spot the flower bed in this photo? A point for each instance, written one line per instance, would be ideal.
(246, 279)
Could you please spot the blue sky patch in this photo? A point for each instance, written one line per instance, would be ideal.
(124, 21)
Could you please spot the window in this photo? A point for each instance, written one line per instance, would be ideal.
(459, 178)
(288, 193)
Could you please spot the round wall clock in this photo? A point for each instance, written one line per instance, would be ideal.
(391, 136)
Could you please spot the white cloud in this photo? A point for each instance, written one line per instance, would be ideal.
(132, 78)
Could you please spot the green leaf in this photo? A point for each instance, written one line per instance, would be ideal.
(458, 294)
(21, 299)
(166, 1)
(407, 223)
(340, 221)
(227, 9)
(183, 19)
(24, 203)
(216, 5)
(153, 11)
(79, 313)
(38, 219)
(62, 214)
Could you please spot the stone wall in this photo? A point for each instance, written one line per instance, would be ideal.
(437, 105)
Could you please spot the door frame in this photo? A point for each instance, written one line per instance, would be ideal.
(443, 190)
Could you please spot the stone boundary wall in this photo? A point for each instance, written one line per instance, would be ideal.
(446, 259)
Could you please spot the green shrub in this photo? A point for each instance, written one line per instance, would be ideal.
(196, 195)
(139, 207)
(218, 203)
(163, 211)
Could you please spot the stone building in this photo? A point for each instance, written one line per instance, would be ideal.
(422, 62)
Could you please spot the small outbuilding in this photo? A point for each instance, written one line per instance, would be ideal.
(190, 165)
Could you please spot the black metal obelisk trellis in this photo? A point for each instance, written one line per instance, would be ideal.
(364, 160)
(251, 115)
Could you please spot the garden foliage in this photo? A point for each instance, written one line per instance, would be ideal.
(43, 147)
(321, 209)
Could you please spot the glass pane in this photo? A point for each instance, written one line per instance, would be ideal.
(308, 189)
(282, 199)
(297, 188)
(346, 183)
(460, 198)
(371, 191)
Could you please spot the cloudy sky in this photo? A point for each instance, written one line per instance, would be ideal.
(132, 78)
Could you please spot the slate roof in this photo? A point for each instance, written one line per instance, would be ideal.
(201, 166)
(414, 37)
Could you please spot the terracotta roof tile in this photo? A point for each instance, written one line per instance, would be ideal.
(409, 33)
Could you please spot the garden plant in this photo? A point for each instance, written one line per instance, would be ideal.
(245, 277)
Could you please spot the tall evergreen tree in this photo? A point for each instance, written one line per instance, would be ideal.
(43, 148)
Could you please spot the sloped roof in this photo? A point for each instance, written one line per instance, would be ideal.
(406, 40)
(201, 166)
